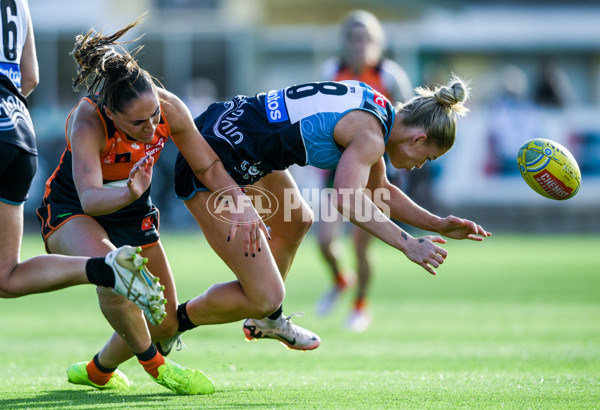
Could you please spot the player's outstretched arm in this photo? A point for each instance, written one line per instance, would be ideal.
(360, 165)
(458, 228)
(404, 209)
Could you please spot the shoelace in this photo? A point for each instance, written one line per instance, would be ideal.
(179, 345)
(288, 322)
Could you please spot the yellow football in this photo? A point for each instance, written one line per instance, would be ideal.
(549, 168)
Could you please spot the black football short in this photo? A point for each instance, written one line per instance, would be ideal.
(17, 169)
(135, 230)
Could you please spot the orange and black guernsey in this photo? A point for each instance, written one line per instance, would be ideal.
(370, 74)
(117, 158)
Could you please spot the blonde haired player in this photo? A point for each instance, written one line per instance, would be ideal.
(347, 126)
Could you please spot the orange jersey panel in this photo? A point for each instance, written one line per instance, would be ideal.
(370, 75)
(121, 152)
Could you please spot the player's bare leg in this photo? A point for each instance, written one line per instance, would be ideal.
(360, 318)
(85, 237)
(288, 227)
(259, 290)
(117, 350)
(330, 247)
(132, 333)
(39, 274)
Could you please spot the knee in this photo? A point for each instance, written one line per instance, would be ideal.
(307, 222)
(300, 223)
(6, 293)
(167, 328)
(110, 301)
(265, 306)
(8, 290)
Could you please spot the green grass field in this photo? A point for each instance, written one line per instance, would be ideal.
(513, 322)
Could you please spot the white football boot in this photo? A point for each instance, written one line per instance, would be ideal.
(136, 283)
(165, 346)
(359, 320)
(283, 330)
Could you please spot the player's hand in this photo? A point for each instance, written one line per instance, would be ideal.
(425, 253)
(458, 228)
(140, 176)
(250, 224)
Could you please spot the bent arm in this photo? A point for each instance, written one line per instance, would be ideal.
(360, 166)
(209, 169)
(354, 201)
(205, 163)
(86, 135)
(30, 73)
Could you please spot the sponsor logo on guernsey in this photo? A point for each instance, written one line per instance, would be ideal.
(226, 125)
(379, 98)
(275, 106)
(552, 185)
(147, 223)
(124, 157)
(12, 71)
(13, 112)
(152, 149)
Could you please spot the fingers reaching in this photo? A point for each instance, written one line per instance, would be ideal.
(251, 236)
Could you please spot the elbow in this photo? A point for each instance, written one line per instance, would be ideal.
(34, 81)
(88, 210)
(208, 172)
(29, 84)
(89, 207)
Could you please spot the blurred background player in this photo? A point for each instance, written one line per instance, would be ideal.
(363, 42)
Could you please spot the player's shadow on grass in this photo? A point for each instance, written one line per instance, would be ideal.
(67, 398)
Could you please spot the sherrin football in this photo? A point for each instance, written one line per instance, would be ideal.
(549, 168)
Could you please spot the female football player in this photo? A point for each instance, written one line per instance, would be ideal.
(95, 201)
(121, 269)
(343, 125)
(361, 59)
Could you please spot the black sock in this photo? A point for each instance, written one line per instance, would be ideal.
(184, 320)
(148, 354)
(102, 368)
(275, 315)
(99, 273)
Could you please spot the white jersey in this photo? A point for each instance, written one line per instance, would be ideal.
(14, 15)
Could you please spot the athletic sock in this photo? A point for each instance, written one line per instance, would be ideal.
(97, 373)
(99, 273)
(360, 303)
(275, 315)
(340, 281)
(184, 320)
(151, 359)
(271, 321)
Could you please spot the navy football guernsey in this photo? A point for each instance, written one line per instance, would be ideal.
(254, 136)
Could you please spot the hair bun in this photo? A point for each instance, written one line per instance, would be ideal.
(454, 93)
